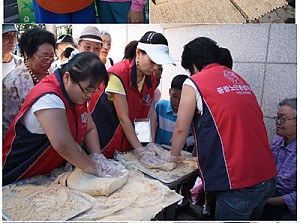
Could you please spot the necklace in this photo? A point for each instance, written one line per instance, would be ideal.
(34, 78)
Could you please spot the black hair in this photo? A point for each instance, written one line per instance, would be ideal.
(153, 37)
(129, 52)
(31, 40)
(225, 58)
(150, 37)
(67, 52)
(84, 66)
(200, 52)
(178, 80)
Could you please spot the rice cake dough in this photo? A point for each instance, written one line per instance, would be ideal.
(93, 185)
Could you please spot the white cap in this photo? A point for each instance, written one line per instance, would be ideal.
(91, 33)
(159, 53)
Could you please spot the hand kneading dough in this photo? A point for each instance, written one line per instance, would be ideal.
(93, 185)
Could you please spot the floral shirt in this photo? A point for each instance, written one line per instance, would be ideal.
(16, 86)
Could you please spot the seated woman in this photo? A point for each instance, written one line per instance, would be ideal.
(283, 204)
(54, 122)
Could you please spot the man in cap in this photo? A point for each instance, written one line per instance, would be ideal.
(9, 42)
(90, 40)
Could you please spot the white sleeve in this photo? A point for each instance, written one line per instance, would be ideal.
(48, 101)
(189, 82)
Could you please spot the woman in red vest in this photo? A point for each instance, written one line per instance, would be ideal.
(127, 102)
(234, 156)
(54, 122)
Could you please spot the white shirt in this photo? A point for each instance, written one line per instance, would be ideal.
(190, 83)
(48, 101)
(8, 67)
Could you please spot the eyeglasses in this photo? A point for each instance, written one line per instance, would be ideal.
(45, 59)
(282, 119)
(91, 48)
(86, 91)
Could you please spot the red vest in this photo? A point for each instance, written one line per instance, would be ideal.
(25, 154)
(111, 134)
(232, 143)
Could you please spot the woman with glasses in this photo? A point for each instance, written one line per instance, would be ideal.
(54, 121)
(37, 47)
(283, 204)
(128, 99)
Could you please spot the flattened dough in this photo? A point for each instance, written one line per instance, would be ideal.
(93, 185)
(164, 166)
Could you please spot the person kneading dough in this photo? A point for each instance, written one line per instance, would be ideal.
(114, 176)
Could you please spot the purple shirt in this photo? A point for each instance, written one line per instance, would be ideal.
(286, 163)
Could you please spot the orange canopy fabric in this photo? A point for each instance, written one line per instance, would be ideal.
(64, 6)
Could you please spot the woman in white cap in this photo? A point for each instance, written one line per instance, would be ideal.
(128, 98)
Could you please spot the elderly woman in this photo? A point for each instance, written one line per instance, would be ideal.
(283, 204)
(54, 122)
(37, 47)
(106, 41)
(130, 95)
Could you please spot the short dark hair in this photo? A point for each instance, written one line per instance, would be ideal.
(67, 52)
(178, 80)
(225, 58)
(150, 37)
(129, 52)
(31, 40)
(84, 66)
(292, 102)
(200, 52)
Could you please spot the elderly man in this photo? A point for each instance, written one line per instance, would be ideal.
(283, 204)
(90, 40)
(9, 42)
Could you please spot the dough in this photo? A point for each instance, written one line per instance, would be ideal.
(162, 156)
(93, 185)
(164, 166)
(41, 203)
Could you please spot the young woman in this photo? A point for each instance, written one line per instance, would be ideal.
(128, 97)
(54, 122)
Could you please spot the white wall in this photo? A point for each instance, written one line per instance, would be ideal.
(263, 54)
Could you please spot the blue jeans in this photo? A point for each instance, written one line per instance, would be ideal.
(86, 15)
(244, 204)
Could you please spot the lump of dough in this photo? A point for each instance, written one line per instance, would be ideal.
(93, 185)
(164, 166)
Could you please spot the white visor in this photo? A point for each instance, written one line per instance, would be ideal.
(158, 53)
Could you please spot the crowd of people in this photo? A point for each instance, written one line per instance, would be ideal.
(67, 101)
